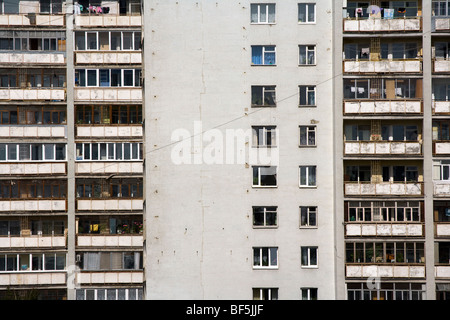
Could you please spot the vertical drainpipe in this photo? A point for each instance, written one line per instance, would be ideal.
(71, 263)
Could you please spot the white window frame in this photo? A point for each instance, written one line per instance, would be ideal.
(308, 250)
(307, 172)
(16, 146)
(383, 210)
(308, 132)
(83, 293)
(265, 89)
(309, 210)
(308, 48)
(307, 293)
(98, 79)
(80, 156)
(30, 262)
(307, 9)
(258, 6)
(270, 251)
(306, 90)
(261, 135)
(266, 210)
(259, 185)
(263, 55)
(270, 293)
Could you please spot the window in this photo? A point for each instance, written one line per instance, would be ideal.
(393, 211)
(308, 216)
(307, 96)
(109, 151)
(357, 132)
(402, 9)
(400, 173)
(263, 55)
(309, 293)
(111, 260)
(263, 96)
(307, 136)
(264, 136)
(307, 54)
(21, 262)
(309, 256)
(399, 133)
(265, 257)
(117, 114)
(440, 8)
(51, 6)
(108, 77)
(47, 227)
(358, 173)
(306, 12)
(354, 51)
(114, 188)
(385, 252)
(33, 189)
(264, 216)
(387, 291)
(399, 50)
(107, 41)
(110, 294)
(32, 152)
(265, 293)
(307, 176)
(262, 13)
(388, 89)
(9, 228)
(264, 176)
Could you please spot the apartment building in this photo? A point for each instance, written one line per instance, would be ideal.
(224, 150)
(390, 159)
(71, 150)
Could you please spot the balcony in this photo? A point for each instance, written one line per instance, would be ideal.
(33, 131)
(374, 148)
(110, 205)
(105, 277)
(413, 24)
(380, 107)
(33, 168)
(32, 205)
(384, 229)
(32, 94)
(384, 271)
(108, 57)
(119, 131)
(32, 19)
(110, 241)
(32, 58)
(383, 189)
(33, 242)
(107, 20)
(33, 278)
(107, 94)
(109, 167)
(383, 66)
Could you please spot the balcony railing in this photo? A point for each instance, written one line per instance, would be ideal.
(108, 57)
(108, 20)
(383, 188)
(108, 94)
(47, 94)
(442, 229)
(441, 65)
(384, 229)
(33, 19)
(33, 168)
(441, 23)
(109, 131)
(366, 107)
(32, 58)
(384, 66)
(109, 167)
(110, 204)
(382, 148)
(32, 205)
(32, 242)
(441, 147)
(105, 277)
(442, 271)
(413, 24)
(29, 131)
(441, 107)
(129, 240)
(385, 271)
(441, 188)
(33, 278)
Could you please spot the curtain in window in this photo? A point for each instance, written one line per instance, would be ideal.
(91, 261)
(257, 55)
